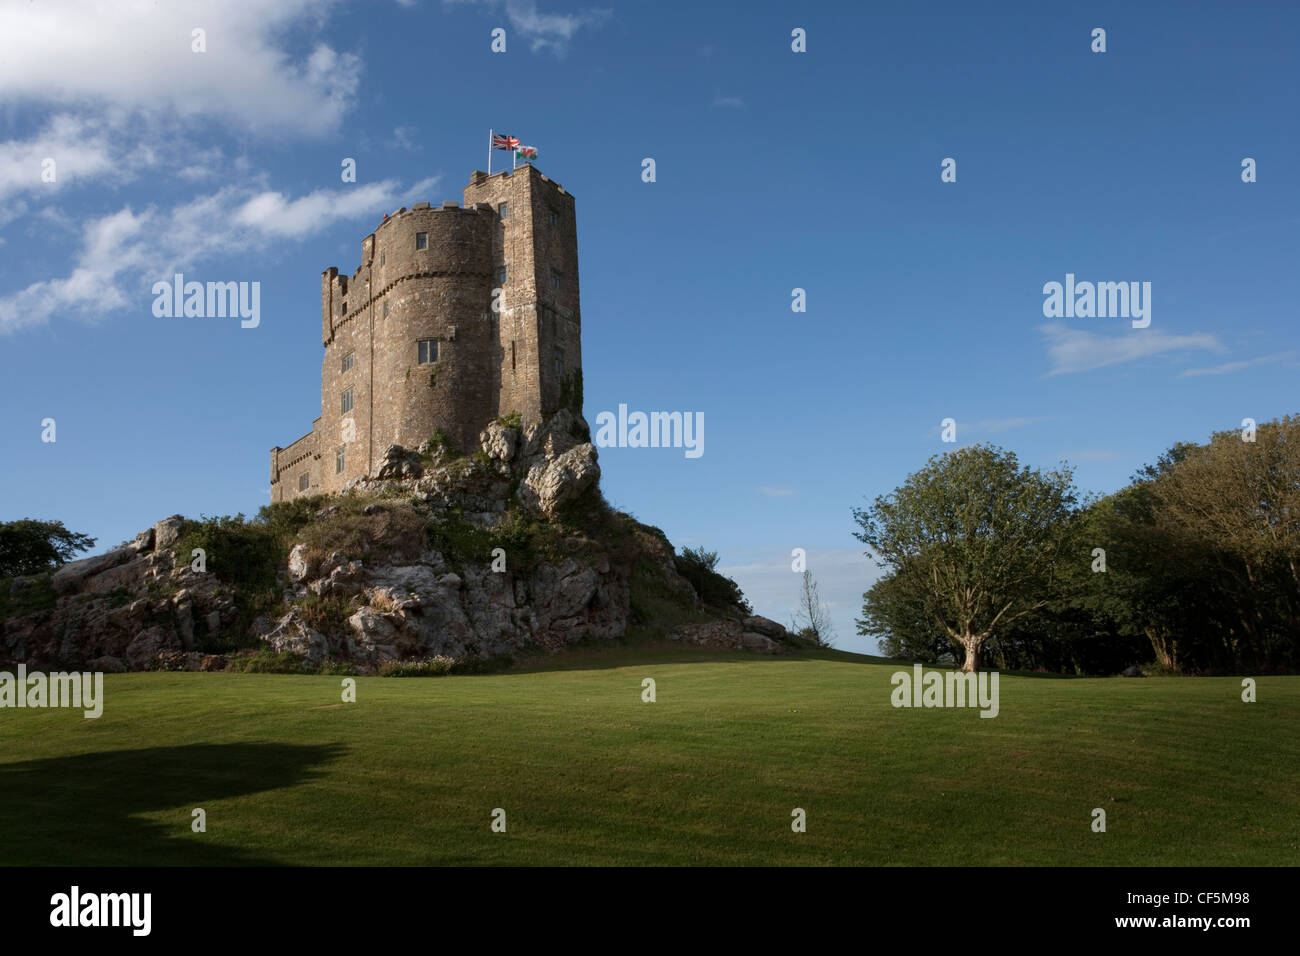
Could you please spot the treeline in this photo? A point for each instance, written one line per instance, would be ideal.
(1192, 568)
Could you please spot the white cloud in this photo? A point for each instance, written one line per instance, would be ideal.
(79, 147)
(1076, 350)
(1229, 367)
(135, 57)
(543, 31)
(124, 252)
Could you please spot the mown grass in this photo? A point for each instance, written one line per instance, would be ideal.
(708, 774)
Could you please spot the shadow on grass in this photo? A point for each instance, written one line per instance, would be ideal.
(84, 810)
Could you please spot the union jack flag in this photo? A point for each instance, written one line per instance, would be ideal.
(503, 142)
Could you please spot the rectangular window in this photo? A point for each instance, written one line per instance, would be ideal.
(555, 218)
(501, 275)
(383, 257)
(349, 361)
(302, 482)
(555, 279)
(385, 308)
(340, 460)
(512, 356)
(504, 210)
(422, 240)
(427, 351)
(347, 401)
(559, 362)
(343, 307)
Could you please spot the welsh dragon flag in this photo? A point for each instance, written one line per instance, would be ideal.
(526, 152)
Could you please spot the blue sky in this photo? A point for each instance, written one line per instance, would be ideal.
(775, 170)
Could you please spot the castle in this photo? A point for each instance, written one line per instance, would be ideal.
(456, 316)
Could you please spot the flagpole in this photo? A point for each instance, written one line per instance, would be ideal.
(490, 134)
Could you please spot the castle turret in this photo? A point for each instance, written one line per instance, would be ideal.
(414, 344)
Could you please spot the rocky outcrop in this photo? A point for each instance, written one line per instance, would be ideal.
(405, 572)
(400, 463)
(726, 633)
(554, 481)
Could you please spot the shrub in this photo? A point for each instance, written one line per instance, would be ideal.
(435, 666)
(717, 590)
(267, 661)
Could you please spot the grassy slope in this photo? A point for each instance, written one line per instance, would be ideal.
(587, 773)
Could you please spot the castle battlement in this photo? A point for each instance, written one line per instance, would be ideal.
(457, 314)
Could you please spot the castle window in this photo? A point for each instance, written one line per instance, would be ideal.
(383, 258)
(512, 355)
(422, 240)
(349, 360)
(343, 307)
(559, 362)
(302, 482)
(504, 210)
(340, 460)
(555, 218)
(385, 308)
(427, 351)
(347, 401)
(555, 279)
(501, 275)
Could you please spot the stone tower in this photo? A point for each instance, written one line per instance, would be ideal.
(456, 316)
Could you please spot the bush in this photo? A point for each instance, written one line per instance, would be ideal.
(717, 590)
(267, 661)
(433, 667)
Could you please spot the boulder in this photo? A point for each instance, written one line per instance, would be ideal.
(167, 532)
(499, 441)
(300, 564)
(144, 650)
(400, 463)
(290, 633)
(143, 541)
(71, 575)
(554, 481)
(1133, 671)
(765, 626)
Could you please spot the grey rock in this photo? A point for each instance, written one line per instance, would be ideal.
(553, 482)
(72, 574)
(168, 531)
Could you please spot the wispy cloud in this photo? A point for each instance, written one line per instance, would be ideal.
(542, 31)
(1228, 367)
(1076, 350)
(1006, 424)
(124, 252)
(728, 102)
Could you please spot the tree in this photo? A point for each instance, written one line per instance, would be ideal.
(812, 618)
(32, 547)
(983, 535)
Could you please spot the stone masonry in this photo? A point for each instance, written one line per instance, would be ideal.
(412, 340)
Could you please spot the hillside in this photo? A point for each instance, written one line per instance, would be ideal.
(471, 560)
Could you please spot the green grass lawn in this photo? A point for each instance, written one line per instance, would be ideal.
(709, 774)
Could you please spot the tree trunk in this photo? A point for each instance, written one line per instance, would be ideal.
(972, 644)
